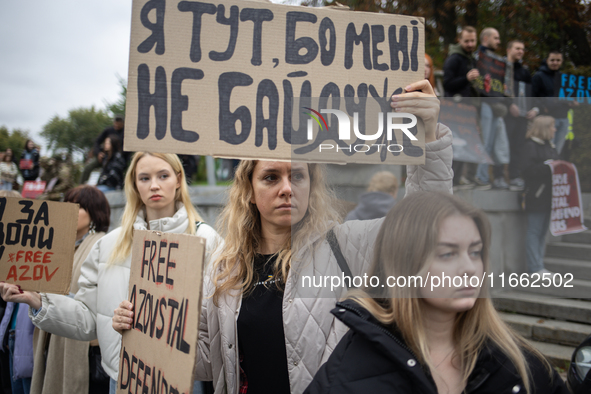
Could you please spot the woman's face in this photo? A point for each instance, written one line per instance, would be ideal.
(458, 255)
(280, 191)
(30, 145)
(107, 146)
(83, 221)
(156, 183)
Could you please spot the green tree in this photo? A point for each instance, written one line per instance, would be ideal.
(14, 140)
(118, 107)
(78, 131)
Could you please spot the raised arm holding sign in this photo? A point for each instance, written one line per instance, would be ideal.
(224, 77)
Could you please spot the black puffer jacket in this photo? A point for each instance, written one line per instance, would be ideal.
(113, 171)
(455, 68)
(371, 359)
(543, 87)
(537, 175)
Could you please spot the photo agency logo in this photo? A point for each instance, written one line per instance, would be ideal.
(347, 129)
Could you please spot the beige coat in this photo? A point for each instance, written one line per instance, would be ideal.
(67, 369)
(311, 331)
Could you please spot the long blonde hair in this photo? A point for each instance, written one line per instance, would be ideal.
(134, 203)
(405, 245)
(240, 225)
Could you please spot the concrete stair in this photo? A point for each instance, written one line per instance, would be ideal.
(554, 319)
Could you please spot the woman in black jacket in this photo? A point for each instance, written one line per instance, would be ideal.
(538, 149)
(113, 162)
(29, 163)
(417, 335)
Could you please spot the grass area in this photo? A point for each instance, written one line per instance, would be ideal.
(204, 183)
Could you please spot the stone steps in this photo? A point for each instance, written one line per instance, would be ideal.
(531, 304)
(569, 250)
(548, 330)
(581, 289)
(581, 269)
(581, 238)
(558, 355)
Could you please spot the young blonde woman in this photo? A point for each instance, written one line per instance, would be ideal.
(538, 148)
(157, 199)
(411, 339)
(261, 331)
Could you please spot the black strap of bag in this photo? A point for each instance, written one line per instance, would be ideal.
(336, 250)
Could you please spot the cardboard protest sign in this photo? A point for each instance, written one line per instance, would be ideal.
(222, 77)
(461, 119)
(37, 244)
(491, 82)
(567, 205)
(570, 87)
(158, 353)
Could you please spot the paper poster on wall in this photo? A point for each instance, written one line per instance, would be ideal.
(37, 241)
(222, 77)
(158, 353)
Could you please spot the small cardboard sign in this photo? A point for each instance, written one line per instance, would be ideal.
(33, 189)
(567, 205)
(491, 82)
(37, 241)
(221, 77)
(461, 119)
(570, 87)
(158, 353)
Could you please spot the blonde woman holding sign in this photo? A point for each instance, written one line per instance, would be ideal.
(260, 331)
(157, 199)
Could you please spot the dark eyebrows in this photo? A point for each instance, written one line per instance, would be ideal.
(450, 245)
(158, 172)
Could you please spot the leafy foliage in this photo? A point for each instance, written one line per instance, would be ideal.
(118, 107)
(14, 140)
(78, 131)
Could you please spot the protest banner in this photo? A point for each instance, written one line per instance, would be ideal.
(158, 353)
(461, 119)
(37, 244)
(567, 205)
(570, 87)
(491, 82)
(33, 189)
(223, 77)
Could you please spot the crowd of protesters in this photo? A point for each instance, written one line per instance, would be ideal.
(260, 331)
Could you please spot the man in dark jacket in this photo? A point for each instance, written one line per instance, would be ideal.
(520, 110)
(543, 86)
(96, 161)
(459, 70)
(492, 125)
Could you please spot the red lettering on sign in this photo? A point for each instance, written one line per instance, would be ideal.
(12, 273)
(25, 269)
(47, 273)
(47, 257)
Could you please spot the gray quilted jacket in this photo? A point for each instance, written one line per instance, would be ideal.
(311, 331)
